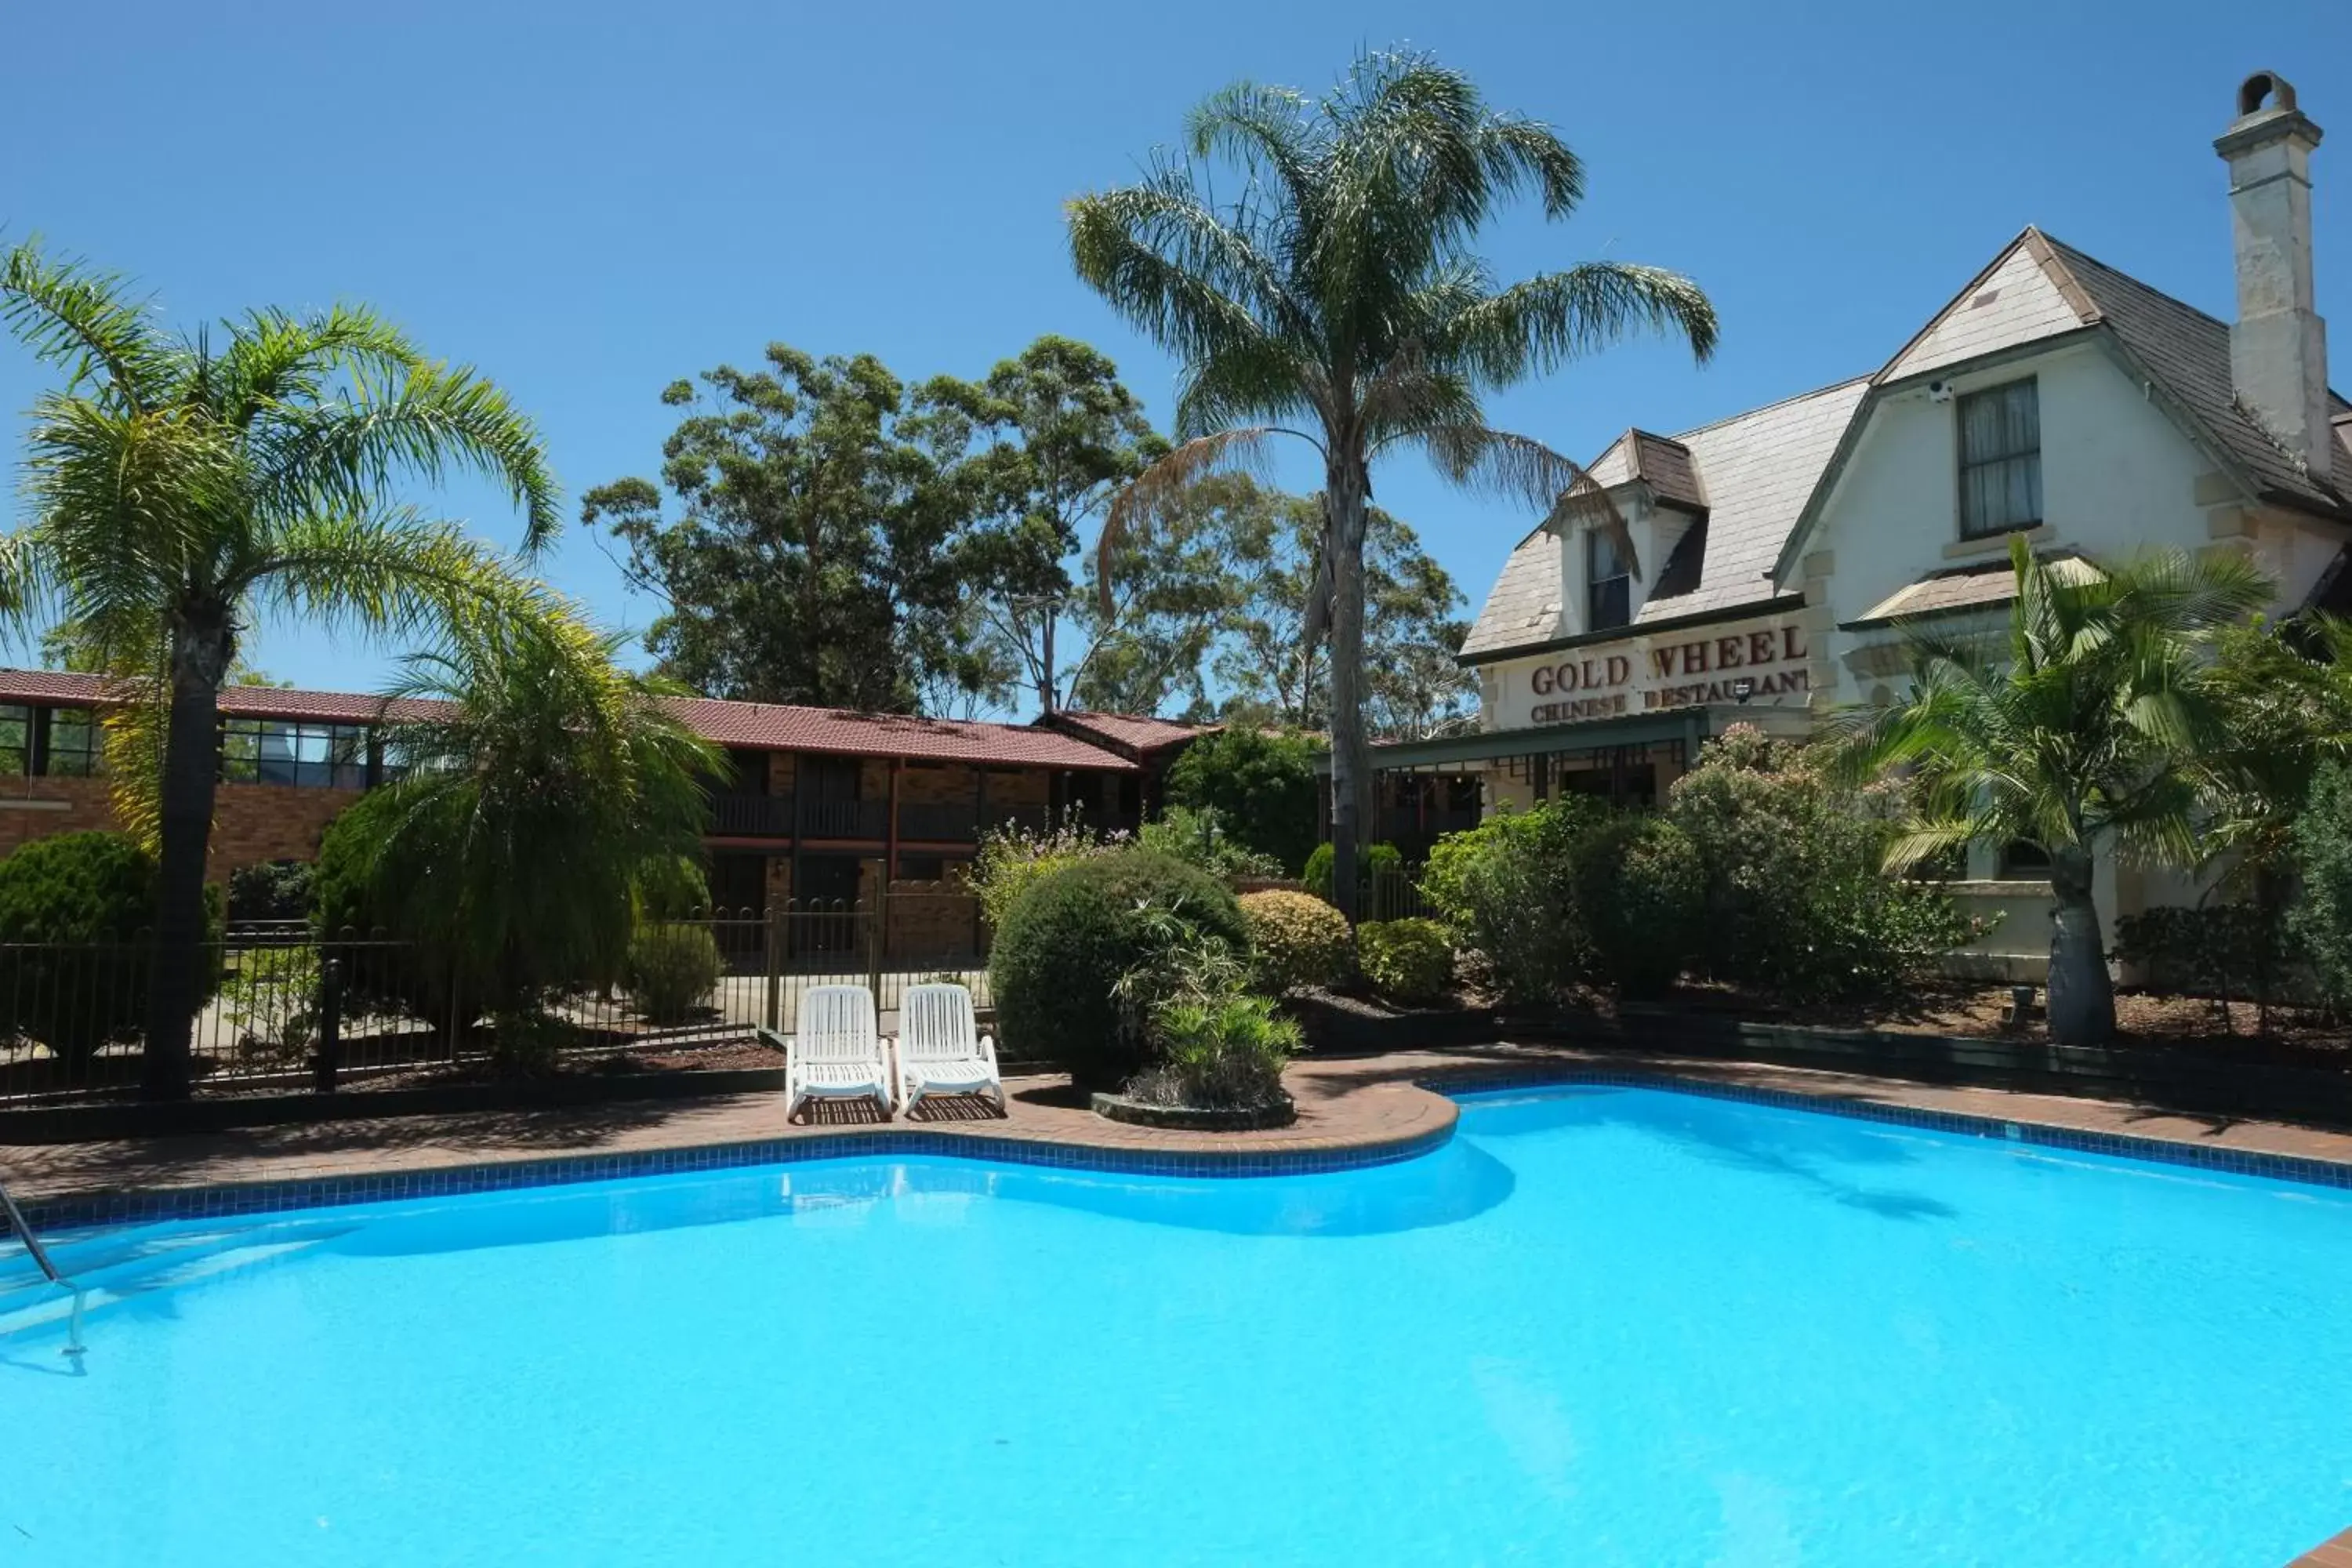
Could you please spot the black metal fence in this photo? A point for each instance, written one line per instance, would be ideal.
(291, 1008)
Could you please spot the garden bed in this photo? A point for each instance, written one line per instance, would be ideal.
(1340, 1023)
(1196, 1117)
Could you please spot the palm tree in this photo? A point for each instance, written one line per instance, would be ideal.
(551, 793)
(2083, 733)
(179, 486)
(1337, 299)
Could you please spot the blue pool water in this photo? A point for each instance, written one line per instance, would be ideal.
(1604, 1326)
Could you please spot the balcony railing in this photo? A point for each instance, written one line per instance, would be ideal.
(751, 816)
(954, 822)
(843, 819)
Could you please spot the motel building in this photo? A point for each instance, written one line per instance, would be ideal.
(1776, 554)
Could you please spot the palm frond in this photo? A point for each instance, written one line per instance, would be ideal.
(1542, 322)
(390, 574)
(343, 454)
(84, 320)
(1241, 450)
(1521, 469)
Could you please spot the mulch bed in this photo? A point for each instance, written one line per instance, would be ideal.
(719, 1057)
(2297, 1036)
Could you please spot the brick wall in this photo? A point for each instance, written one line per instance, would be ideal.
(954, 784)
(251, 823)
(932, 921)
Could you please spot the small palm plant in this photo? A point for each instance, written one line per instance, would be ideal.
(1338, 299)
(179, 486)
(550, 797)
(2082, 733)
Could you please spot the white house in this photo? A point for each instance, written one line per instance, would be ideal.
(1772, 554)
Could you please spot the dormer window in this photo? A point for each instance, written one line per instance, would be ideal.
(2000, 460)
(1609, 582)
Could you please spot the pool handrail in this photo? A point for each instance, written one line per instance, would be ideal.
(32, 1243)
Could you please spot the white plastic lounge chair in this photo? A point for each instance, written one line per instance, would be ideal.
(836, 1052)
(941, 1050)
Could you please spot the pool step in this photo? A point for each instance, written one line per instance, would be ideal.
(113, 1266)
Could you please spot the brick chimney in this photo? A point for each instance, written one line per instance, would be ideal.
(2278, 349)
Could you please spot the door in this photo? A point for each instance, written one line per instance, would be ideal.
(826, 892)
(828, 788)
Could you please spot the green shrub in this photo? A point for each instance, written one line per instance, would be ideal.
(1226, 1053)
(409, 975)
(1406, 961)
(1640, 888)
(1075, 932)
(672, 970)
(86, 903)
(270, 997)
(1795, 901)
(1375, 862)
(1298, 941)
(2320, 920)
(271, 890)
(1506, 889)
(1263, 786)
(1199, 836)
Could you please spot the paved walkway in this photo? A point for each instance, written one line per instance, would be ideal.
(1342, 1103)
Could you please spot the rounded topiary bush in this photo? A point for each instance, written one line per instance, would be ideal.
(1072, 933)
(1407, 959)
(1297, 940)
(77, 910)
(1641, 885)
(672, 970)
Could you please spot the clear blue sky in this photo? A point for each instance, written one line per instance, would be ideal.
(588, 201)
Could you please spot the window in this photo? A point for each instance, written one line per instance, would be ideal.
(2021, 861)
(76, 744)
(922, 868)
(2000, 460)
(16, 739)
(307, 756)
(1608, 583)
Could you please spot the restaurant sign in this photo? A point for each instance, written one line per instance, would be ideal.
(1762, 661)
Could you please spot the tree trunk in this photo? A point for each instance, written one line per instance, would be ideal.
(2081, 997)
(1351, 770)
(200, 660)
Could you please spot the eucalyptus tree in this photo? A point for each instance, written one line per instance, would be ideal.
(2088, 727)
(178, 486)
(1337, 297)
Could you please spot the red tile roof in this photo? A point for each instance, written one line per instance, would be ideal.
(238, 701)
(770, 725)
(1128, 731)
(779, 726)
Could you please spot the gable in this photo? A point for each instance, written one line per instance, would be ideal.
(2017, 300)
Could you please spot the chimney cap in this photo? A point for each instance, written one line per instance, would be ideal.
(2266, 115)
(2263, 85)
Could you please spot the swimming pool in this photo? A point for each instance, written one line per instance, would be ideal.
(1601, 1326)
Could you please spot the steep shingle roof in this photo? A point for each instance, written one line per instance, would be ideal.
(2187, 352)
(1754, 471)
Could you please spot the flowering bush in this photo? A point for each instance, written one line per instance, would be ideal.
(1010, 859)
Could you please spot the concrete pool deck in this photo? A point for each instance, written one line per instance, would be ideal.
(1348, 1107)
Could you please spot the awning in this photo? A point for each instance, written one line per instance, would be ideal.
(1689, 727)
